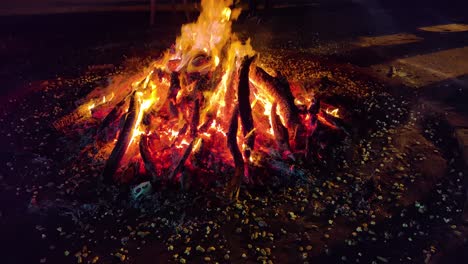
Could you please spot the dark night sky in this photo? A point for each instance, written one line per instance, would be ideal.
(18, 3)
(53, 6)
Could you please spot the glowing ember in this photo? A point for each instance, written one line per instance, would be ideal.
(203, 104)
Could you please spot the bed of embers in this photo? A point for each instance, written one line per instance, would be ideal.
(271, 156)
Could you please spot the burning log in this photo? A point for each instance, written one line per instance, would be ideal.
(233, 187)
(199, 63)
(130, 171)
(147, 157)
(181, 162)
(233, 82)
(175, 85)
(173, 111)
(113, 115)
(202, 83)
(195, 118)
(280, 90)
(198, 153)
(183, 130)
(281, 132)
(219, 71)
(209, 119)
(335, 122)
(174, 88)
(193, 131)
(148, 119)
(123, 141)
(245, 110)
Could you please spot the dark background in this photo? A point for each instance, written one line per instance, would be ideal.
(13, 7)
(48, 38)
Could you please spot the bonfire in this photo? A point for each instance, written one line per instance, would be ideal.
(204, 111)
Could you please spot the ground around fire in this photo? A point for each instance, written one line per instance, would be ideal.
(396, 195)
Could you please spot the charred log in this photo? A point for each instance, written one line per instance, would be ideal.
(245, 110)
(123, 141)
(233, 187)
